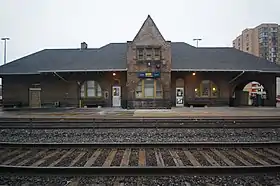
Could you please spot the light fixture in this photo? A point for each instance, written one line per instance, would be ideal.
(193, 73)
(195, 89)
(114, 74)
(214, 89)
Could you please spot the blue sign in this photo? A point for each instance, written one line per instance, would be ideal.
(149, 74)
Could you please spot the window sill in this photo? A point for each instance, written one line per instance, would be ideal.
(147, 60)
(96, 97)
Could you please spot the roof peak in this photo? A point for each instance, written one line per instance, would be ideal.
(148, 33)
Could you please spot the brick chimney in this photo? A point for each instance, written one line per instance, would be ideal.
(83, 45)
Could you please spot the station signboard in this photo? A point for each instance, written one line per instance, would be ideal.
(149, 74)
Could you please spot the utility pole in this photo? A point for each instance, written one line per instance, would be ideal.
(5, 39)
(197, 40)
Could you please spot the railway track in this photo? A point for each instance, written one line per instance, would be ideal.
(78, 123)
(140, 158)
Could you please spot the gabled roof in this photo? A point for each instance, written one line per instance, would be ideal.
(112, 57)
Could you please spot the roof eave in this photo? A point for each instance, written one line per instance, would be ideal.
(86, 70)
(224, 70)
(19, 73)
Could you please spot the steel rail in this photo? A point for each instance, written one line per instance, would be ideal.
(114, 171)
(132, 119)
(78, 123)
(136, 125)
(143, 145)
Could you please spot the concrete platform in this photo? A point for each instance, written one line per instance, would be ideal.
(146, 113)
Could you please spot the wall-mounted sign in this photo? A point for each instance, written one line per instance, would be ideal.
(149, 74)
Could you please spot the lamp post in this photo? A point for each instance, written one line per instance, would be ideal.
(197, 40)
(5, 39)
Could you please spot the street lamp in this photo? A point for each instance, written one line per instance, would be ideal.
(5, 39)
(197, 40)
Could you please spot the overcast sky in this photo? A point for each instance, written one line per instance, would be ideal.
(34, 25)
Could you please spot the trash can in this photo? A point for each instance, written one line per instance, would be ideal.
(259, 100)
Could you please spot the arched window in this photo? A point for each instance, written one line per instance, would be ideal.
(90, 89)
(206, 89)
(148, 88)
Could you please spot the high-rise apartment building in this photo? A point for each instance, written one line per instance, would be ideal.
(278, 55)
(262, 41)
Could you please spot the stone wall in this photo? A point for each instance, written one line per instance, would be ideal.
(149, 36)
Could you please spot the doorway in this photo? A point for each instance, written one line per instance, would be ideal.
(249, 94)
(35, 97)
(116, 96)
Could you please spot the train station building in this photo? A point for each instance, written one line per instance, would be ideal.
(146, 72)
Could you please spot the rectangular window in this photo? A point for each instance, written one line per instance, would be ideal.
(140, 54)
(99, 91)
(139, 91)
(91, 92)
(157, 53)
(205, 88)
(149, 87)
(149, 52)
(158, 90)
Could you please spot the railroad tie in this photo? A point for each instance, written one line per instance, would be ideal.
(223, 157)
(176, 158)
(142, 158)
(240, 158)
(93, 158)
(209, 158)
(77, 159)
(257, 159)
(159, 159)
(267, 156)
(9, 154)
(41, 161)
(61, 158)
(16, 158)
(32, 157)
(126, 156)
(110, 158)
(192, 159)
(272, 152)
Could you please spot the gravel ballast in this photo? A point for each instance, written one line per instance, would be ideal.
(261, 179)
(138, 135)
